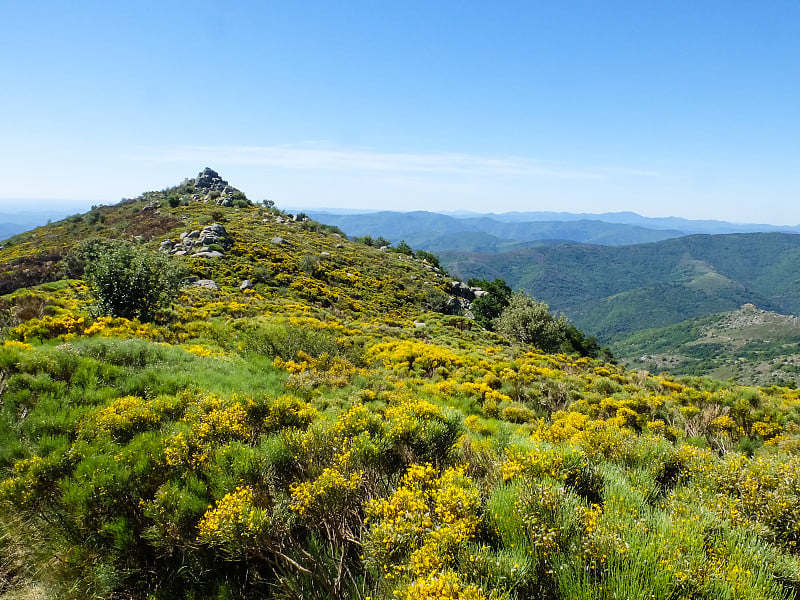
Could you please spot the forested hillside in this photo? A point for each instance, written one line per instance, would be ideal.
(205, 398)
(612, 292)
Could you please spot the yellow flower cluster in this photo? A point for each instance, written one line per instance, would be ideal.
(440, 586)
(288, 411)
(413, 355)
(418, 530)
(124, 414)
(553, 461)
(328, 493)
(65, 326)
(123, 328)
(16, 344)
(203, 351)
(233, 521)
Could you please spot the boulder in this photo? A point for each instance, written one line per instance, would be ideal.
(211, 254)
(208, 284)
(246, 285)
(462, 290)
(214, 234)
(278, 241)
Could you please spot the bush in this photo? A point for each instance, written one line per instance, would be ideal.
(529, 321)
(489, 307)
(129, 282)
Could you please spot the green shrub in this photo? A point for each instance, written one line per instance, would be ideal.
(129, 282)
(529, 321)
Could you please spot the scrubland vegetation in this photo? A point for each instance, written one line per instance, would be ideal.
(325, 435)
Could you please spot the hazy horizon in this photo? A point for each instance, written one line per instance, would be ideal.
(680, 108)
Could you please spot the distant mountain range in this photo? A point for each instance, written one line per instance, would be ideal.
(31, 214)
(470, 232)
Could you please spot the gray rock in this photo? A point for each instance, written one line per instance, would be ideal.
(339, 246)
(324, 254)
(461, 289)
(193, 235)
(208, 284)
(278, 241)
(214, 234)
(212, 254)
(180, 253)
(166, 246)
(246, 285)
(183, 234)
(209, 180)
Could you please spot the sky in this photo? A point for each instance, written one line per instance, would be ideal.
(676, 108)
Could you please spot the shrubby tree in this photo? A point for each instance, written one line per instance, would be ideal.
(403, 248)
(530, 321)
(487, 308)
(429, 257)
(128, 281)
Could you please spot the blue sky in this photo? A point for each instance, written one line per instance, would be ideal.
(663, 108)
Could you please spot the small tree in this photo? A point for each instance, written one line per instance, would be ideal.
(127, 281)
(529, 321)
(403, 248)
(487, 308)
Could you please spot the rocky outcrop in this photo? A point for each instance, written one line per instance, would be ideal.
(208, 284)
(210, 242)
(210, 187)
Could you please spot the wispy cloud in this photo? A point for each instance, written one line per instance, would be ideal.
(320, 157)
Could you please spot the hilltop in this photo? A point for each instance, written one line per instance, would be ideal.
(307, 416)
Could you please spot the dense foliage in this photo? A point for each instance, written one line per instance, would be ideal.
(324, 435)
(130, 282)
(489, 307)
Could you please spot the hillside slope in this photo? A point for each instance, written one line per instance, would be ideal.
(317, 431)
(749, 345)
(612, 292)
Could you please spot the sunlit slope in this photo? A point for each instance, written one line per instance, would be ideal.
(614, 291)
(325, 434)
